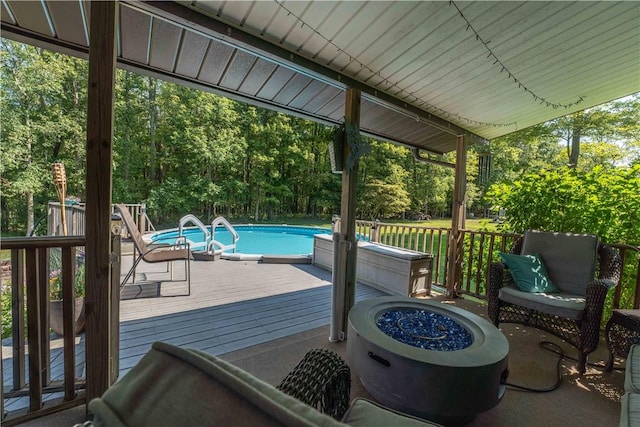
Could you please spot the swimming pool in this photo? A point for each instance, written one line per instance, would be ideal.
(254, 239)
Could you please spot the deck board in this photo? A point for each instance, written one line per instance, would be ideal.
(233, 305)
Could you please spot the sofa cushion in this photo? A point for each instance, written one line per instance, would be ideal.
(365, 413)
(559, 304)
(632, 371)
(630, 410)
(570, 259)
(179, 387)
(528, 272)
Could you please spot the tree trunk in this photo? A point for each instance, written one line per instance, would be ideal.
(29, 194)
(574, 150)
(30, 212)
(4, 214)
(153, 119)
(257, 213)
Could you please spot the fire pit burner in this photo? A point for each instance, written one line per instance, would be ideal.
(425, 358)
(424, 329)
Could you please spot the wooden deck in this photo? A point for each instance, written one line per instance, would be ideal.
(233, 305)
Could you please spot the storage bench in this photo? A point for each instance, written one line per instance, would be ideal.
(393, 270)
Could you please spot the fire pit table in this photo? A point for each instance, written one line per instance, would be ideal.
(428, 359)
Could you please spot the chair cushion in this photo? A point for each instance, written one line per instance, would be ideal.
(528, 272)
(366, 413)
(559, 304)
(570, 259)
(179, 387)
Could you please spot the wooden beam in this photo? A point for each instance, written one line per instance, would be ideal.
(101, 87)
(348, 209)
(458, 219)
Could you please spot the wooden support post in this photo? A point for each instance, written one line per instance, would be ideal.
(116, 249)
(458, 215)
(348, 210)
(101, 87)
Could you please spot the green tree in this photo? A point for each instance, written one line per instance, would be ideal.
(196, 137)
(383, 182)
(132, 179)
(43, 105)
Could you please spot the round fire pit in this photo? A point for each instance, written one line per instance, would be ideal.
(428, 359)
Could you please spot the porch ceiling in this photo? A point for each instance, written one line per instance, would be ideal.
(428, 70)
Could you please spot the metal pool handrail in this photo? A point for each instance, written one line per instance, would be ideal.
(213, 243)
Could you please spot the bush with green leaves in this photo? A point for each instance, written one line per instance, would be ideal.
(602, 201)
(5, 301)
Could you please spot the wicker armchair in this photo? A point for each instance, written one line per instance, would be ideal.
(582, 269)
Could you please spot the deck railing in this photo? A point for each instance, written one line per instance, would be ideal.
(31, 362)
(75, 219)
(43, 373)
(480, 248)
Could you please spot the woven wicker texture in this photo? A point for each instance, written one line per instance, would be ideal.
(321, 379)
(584, 333)
(622, 331)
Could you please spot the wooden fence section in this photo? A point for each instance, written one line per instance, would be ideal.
(35, 372)
(75, 219)
(480, 248)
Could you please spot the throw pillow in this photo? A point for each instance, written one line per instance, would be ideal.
(528, 272)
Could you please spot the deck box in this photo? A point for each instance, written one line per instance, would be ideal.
(393, 270)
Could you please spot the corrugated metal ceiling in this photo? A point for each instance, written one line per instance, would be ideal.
(428, 70)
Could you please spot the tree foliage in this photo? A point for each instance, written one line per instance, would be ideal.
(602, 201)
(183, 151)
(43, 121)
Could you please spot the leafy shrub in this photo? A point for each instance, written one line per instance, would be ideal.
(603, 201)
(5, 301)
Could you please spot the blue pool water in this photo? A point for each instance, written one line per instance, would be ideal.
(255, 239)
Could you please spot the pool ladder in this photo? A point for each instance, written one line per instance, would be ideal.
(210, 248)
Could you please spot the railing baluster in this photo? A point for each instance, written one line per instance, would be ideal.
(17, 313)
(479, 263)
(446, 245)
(33, 330)
(618, 290)
(43, 295)
(68, 322)
(489, 259)
(470, 257)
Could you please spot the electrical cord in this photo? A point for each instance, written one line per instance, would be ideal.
(554, 348)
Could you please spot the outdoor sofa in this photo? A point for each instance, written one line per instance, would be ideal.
(182, 387)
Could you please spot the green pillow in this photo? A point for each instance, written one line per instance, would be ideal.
(528, 272)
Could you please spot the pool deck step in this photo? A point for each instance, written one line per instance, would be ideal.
(204, 256)
(286, 259)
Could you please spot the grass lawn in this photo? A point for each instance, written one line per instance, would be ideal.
(471, 224)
